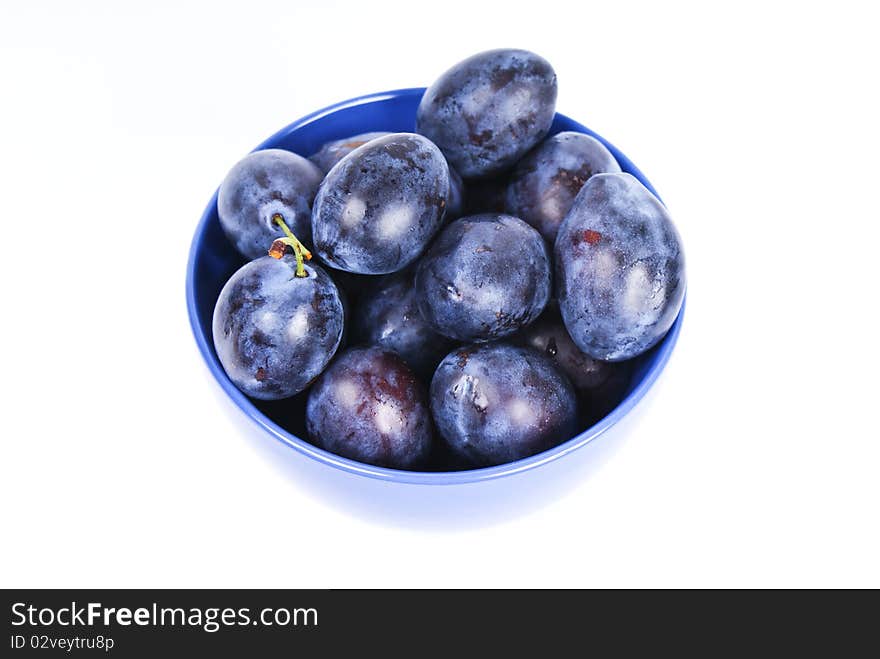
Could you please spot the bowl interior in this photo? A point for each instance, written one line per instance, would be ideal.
(213, 260)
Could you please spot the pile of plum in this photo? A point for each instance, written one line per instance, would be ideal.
(482, 287)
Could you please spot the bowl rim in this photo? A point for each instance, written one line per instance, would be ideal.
(245, 405)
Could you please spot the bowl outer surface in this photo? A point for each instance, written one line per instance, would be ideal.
(212, 260)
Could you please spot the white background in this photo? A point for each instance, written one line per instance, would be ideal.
(755, 461)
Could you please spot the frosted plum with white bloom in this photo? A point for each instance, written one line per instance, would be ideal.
(496, 403)
(485, 277)
(274, 331)
(619, 268)
(380, 205)
(261, 188)
(487, 111)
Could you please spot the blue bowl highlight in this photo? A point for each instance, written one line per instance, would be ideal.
(212, 260)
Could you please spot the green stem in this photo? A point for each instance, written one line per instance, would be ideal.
(298, 248)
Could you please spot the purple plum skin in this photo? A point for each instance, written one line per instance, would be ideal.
(370, 407)
(620, 271)
(380, 205)
(274, 332)
(332, 152)
(545, 182)
(260, 185)
(484, 278)
(487, 111)
(388, 316)
(495, 403)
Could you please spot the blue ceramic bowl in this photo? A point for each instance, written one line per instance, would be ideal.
(212, 260)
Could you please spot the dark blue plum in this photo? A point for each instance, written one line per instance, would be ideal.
(619, 268)
(380, 205)
(389, 317)
(546, 181)
(261, 185)
(600, 385)
(487, 111)
(484, 278)
(275, 332)
(332, 152)
(496, 403)
(369, 406)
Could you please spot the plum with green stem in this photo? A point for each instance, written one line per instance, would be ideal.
(261, 185)
(278, 321)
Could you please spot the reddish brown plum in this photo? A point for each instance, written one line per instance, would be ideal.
(369, 406)
(546, 181)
